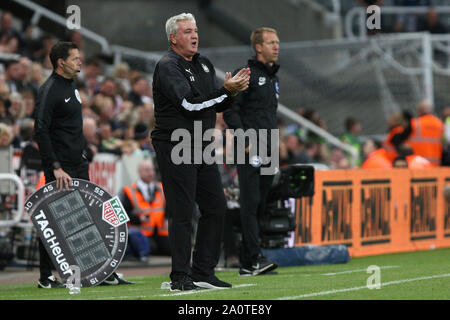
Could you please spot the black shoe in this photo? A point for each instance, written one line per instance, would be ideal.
(183, 283)
(115, 279)
(245, 272)
(262, 265)
(210, 282)
(50, 283)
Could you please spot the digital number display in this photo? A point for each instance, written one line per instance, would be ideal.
(82, 236)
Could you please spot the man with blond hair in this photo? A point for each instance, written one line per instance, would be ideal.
(256, 108)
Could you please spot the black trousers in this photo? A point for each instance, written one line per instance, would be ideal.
(254, 189)
(185, 184)
(80, 172)
(230, 238)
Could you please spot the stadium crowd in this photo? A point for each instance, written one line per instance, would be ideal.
(117, 106)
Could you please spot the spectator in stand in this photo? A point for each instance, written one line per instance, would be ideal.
(42, 54)
(6, 135)
(122, 75)
(338, 160)
(77, 38)
(29, 101)
(91, 76)
(296, 152)
(142, 136)
(17, 107)
(108, 143)
(87, 109)
(414, 161)
(375, 156)
(36, 77)
(13, 76)
(90, 133)
(24, 71)
(107, 115)
(408, 22)
(146, 114)
(5, 116)
(4, 89)
(351, 137)
(9, 45)
(108, 88)
(431, 23)
(128, 117)
(138, 92)
(8, 32)
(130, 147)
(30, 40)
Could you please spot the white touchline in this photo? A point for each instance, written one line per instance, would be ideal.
(323, 293)
(356, 270)
(203, 291)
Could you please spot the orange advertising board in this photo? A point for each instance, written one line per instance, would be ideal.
(376, 211)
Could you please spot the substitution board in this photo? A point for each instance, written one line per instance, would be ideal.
(83, 226)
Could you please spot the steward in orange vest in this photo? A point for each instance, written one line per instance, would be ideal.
(427, 134)
(426, 138)
(377, 160)
(149, 215)
(376, 157)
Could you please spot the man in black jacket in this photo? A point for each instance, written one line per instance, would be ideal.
(186, 96)
(256, 108)
(59, 134)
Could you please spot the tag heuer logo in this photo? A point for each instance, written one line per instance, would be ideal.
(205, 67)
(114, 213)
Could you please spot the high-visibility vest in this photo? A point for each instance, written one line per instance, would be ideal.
(41, 181)
(418, 162)
(391, 153)
(426, 138)
(151, 214)
(377, 160)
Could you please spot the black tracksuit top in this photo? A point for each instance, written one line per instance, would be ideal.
(58, 126)
(184, 92)
(256, 107)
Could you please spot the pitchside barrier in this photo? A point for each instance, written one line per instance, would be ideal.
(370, 211)
(376, 211)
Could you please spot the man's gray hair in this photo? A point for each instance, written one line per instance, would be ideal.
(171, 23)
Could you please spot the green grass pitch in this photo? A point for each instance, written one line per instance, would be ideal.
(413, 275)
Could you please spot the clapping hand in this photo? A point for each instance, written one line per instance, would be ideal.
(239, 82)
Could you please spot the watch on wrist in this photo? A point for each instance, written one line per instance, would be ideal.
(56, 165)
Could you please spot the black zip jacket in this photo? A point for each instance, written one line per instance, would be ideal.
(184, 92)
(58, 126)
(257, 106)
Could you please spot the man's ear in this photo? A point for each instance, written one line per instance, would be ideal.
(60, 62)
(258, 48)
(173, 39)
